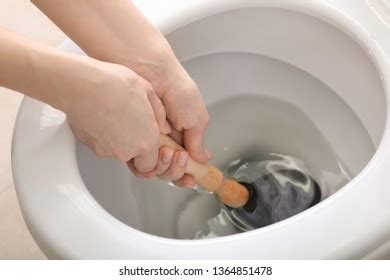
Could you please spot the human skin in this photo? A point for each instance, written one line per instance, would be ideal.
(115, 31)
(109, 107)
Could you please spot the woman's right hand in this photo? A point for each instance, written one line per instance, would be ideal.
(116, 113)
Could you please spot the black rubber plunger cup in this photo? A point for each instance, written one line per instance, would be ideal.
(279, 191)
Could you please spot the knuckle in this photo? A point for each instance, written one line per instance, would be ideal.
(121, 154)
(148, 146)
(150, 139)
(177, 123)
(192, 122)
(185, 121)
(145, 147)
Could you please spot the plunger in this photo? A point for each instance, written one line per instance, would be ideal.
(254, 200)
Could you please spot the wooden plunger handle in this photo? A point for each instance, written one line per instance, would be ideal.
(211, 179)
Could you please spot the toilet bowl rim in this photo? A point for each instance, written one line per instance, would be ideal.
(378, 56)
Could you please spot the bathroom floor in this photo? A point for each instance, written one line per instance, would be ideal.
(15, 239)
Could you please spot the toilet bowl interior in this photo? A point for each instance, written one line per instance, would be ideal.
(276, 82)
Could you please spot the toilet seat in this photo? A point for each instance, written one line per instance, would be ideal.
(67, 222)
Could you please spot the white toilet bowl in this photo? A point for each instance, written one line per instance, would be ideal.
(77, 206)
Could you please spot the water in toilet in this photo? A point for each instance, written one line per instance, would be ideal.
(253, 139)
(263, 124)
(284, 178)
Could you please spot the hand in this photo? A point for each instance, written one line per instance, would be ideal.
(110, 31)
(116, 113)
(185, 111)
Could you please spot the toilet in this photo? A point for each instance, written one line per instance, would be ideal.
(79, 207)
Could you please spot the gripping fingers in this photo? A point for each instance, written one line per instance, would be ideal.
(130, 165)
(164, 160)
(147, 161)
(177, 168)
(186, 181)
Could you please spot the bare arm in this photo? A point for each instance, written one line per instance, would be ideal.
(116, 31)
(108, 106)
(36, 70)
(113, 31)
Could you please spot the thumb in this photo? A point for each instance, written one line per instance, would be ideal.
(194, 143)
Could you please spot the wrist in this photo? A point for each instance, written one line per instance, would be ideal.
(152, 63)
(80, 76)
(60, 79)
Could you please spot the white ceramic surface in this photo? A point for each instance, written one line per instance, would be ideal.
(25, 19)
(68, 222)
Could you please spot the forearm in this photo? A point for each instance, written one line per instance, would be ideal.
(39, 71)
(15, 62)
(113, 31)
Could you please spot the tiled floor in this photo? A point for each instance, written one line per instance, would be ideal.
(15, 241)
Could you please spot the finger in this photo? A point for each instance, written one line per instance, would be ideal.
(177, 136)
(194, 143)
(159, 112)
(147, 161)
(165, 160)
(177, 168)
(130, 165)
(186, 181)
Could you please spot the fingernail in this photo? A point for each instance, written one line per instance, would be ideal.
(167, 156)
(182, 160)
